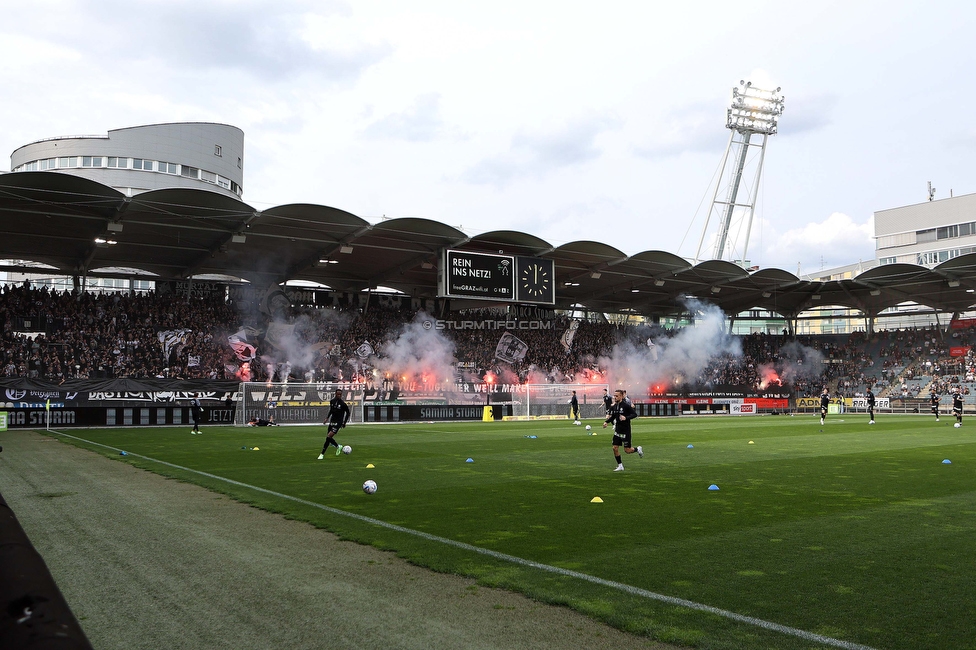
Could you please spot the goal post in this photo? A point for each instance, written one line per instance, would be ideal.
(295, 403)
(552, 401)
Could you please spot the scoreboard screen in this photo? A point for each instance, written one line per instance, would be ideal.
(510, 278)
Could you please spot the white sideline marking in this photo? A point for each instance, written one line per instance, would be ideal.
(635, 591)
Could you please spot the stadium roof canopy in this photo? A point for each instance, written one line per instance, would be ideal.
(69, 222)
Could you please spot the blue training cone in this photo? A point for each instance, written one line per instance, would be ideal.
(947, 462)
(691, 446)
(470, 460)
(122, 453)
(712, 487)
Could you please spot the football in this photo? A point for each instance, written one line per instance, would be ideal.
(588, 427)
(957, 425)
(347, 450)
(369, 487)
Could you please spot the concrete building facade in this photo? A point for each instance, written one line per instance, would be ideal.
(198, 155)
(928, 233)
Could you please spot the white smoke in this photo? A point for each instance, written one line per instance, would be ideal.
(301, 344)
(642, 364)
(419, 355)
(796, 362)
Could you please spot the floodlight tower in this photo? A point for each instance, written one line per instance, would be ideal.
(754, 112)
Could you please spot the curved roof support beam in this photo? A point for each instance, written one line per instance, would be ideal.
(221, 245)
(412, 263)
(596, 268)
(328, 251)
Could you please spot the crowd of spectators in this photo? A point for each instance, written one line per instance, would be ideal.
(54, 336)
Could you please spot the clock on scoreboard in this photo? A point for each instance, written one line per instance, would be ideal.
(534, 281)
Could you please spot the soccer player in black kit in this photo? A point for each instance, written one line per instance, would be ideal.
(196, 410)
(574, 404)
(870, 398)
(824, 403)
(607, 402)
(934, 401)
(336, 419)
(957, 406)
(621, 413)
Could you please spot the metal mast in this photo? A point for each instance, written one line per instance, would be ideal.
(753, 112)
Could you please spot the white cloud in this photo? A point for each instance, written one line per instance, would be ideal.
(421, 122)
(835, 241)
(535, 154)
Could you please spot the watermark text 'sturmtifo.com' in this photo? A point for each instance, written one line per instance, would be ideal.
(487, 324)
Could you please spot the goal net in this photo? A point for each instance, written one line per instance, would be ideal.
(295, 403)
(552, 401)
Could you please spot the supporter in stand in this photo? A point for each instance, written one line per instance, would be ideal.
(91, 336)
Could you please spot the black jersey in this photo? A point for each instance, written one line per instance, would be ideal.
(957, 402)
(870, 400)
(824, 401)
(338, 411)
(934, 399)
(621, 426)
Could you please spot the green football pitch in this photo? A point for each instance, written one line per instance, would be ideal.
(835, 535)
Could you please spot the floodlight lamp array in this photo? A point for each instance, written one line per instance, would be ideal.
(754, 110)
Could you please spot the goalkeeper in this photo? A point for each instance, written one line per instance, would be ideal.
(336, 419)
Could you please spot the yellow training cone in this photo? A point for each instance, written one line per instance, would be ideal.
(751, 442)
(370, 466)
(256, 449)
(596, 500)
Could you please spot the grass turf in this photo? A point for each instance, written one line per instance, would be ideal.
(852, 531)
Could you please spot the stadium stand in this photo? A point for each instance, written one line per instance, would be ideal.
(56, 336)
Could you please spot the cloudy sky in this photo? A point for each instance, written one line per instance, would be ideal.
(569, 120)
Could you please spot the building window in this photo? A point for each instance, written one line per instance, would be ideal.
(209, 177)
(189, 172)
(223, 182)
(887, 260)
(167, 168)
(217, 150)
(240, 163)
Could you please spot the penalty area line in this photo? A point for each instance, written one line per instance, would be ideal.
(619, 586)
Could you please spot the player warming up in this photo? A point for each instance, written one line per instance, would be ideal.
(196, 410)
(607, 402)
(870, 399)
(957, 406)
(824, 403)
(574, 404)
(621, 413)
(934, 401)
(336, 419)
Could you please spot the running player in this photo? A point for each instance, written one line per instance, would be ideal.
(336, 419)
(621, 413)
